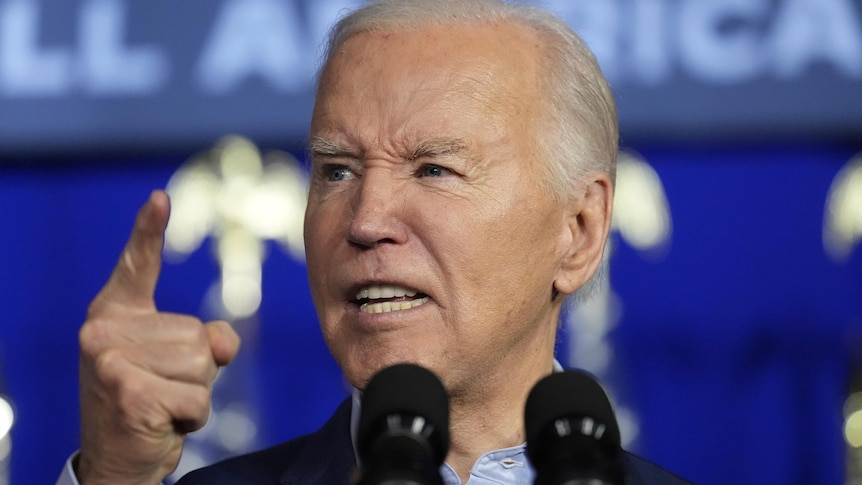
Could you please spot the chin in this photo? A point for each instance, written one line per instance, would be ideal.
(360, 365)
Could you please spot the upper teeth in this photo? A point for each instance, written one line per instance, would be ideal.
(374, 292)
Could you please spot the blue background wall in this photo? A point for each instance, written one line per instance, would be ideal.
(734, 349)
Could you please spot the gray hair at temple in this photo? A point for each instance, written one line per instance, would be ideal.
(582, 134)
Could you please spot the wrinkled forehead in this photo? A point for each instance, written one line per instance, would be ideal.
(484, 65)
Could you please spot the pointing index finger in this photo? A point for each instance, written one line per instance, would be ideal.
(133, 282)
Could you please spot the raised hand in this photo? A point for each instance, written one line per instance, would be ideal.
(145, 376)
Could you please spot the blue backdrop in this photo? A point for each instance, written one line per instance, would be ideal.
(734, 349)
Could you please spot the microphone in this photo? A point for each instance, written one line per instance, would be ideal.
(572, 434)
(403, 427)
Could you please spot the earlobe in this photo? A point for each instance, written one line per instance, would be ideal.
(589, 223)
(554, 292)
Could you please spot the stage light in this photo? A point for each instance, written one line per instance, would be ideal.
(240, 199)
(642, 218)
(641, 209)
(842, 220)
(853, 420)
(7, 418)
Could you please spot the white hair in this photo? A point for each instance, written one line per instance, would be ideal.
(580, 133)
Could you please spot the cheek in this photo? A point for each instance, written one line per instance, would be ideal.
(512, 256)
(478, 247)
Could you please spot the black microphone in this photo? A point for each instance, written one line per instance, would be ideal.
(403, 427)
(572, 434)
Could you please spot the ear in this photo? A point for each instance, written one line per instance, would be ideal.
(589, 221)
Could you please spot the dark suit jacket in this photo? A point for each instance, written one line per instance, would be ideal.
(327, 457)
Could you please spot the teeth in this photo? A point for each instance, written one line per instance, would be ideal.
(392, 306)
(375, 292)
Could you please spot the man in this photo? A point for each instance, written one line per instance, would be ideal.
(462, 180)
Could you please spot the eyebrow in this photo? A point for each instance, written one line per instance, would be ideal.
(322, 147)
(439, 147)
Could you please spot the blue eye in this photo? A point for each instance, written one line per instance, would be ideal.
(338, 173)
(432, 171)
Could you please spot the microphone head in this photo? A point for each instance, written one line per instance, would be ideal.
(405, 390)
(570, 394)
(571, 430)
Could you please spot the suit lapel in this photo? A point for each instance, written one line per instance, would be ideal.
(327, 457)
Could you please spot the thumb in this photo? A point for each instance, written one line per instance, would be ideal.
(224, 341)
(133, 281)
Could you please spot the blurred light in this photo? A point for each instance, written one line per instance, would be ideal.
(240, 199)
(7, 418)
(853, 429)
(628, 424)
(591, 322)
(235, 429)
(842, 219)
(192, 190)
(641, 212)
(241, 295)
(642, 218)
(853, 421)
(239, 159)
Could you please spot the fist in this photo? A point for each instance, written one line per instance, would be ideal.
(145, 376)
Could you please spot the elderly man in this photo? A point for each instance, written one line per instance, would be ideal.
(462, 180)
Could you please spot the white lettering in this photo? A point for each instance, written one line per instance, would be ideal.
(25, 70)
(255, 37)
(718, 41)
(651, 61)
(110, 68)
(807, 31)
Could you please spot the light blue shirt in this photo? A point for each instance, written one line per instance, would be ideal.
(506, 466)
(67, 476)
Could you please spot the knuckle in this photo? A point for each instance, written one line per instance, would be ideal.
(195, 408)
(89, 337)
(199, 361)
(131, 394)
(197, 331)
(96, 307)
(92, 335)
(201, 399)
(107, 365)
(95, 335)
(137, 402)
(186, 327)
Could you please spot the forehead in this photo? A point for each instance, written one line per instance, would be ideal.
(452, 72)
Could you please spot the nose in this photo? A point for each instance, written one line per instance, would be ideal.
(377, 210)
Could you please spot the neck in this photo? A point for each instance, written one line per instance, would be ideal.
(491, 415)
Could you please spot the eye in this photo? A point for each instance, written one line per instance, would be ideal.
(429, 170)
(337, 173)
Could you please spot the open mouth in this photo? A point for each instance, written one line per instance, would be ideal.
(388, 298)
